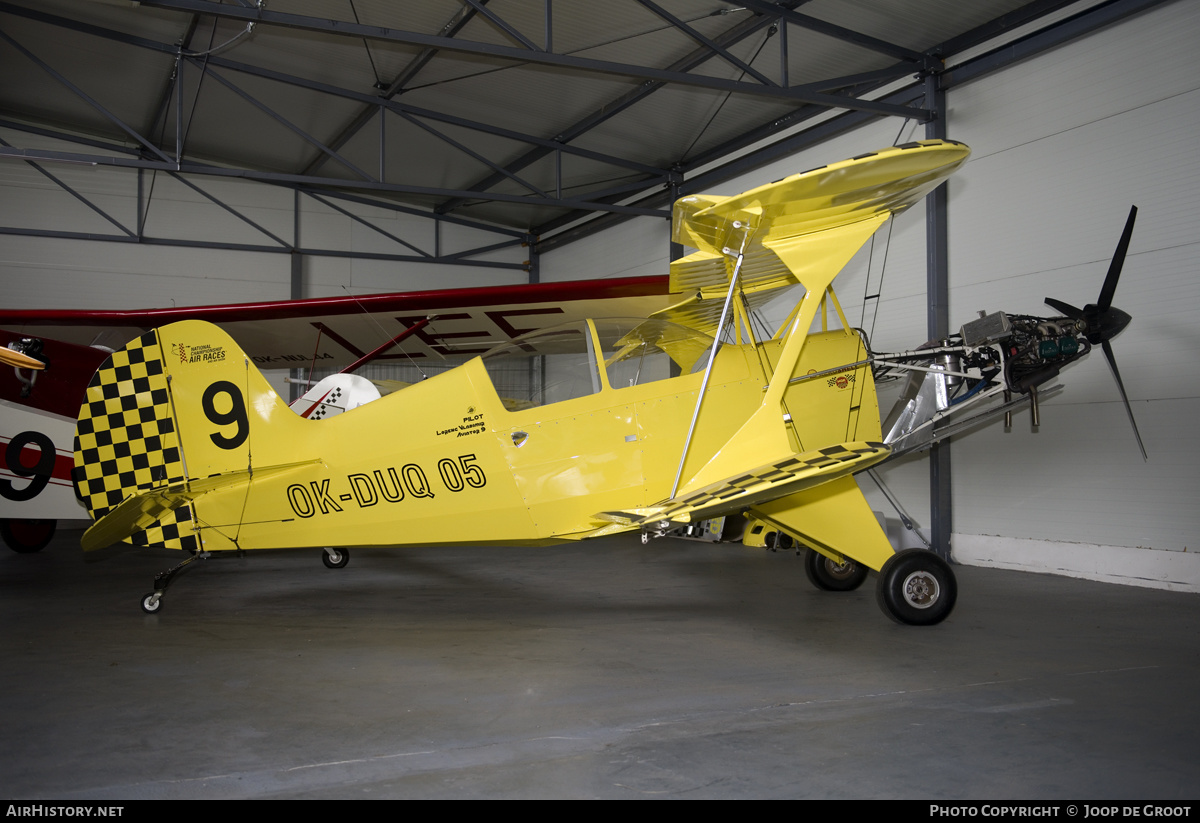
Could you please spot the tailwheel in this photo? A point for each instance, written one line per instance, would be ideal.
(152, 603)
(335, 558)
(829, 575)
(916, 587)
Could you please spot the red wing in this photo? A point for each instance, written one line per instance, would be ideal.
(340, 330)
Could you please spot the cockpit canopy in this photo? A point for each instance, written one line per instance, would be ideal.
(588, 356)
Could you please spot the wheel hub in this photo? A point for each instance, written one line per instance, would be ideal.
(839, 570)
(921, 590)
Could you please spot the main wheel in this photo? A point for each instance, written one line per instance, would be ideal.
(335, 558)
(832, 576)
(152, 603)
(916, 587)
(27, 536)
(778, 540)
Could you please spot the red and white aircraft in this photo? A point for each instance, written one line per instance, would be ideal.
(38, 407)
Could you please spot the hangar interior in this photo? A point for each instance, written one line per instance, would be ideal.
(191, 152)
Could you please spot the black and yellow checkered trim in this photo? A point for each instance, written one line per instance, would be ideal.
(774, 475)
(126, 441)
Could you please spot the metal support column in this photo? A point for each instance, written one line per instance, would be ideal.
(938, 289)
(674, 250)
(534, 264)
(297, 292)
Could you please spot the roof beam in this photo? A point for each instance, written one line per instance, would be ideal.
(839, 32)
(711, 45)
(389, 205)
(82, 95)
(373, 101)
(564, 61)
(620, 104)
(1002, 55)
(406, 75)
(320, 182)
(510, 30)
(1077, 25)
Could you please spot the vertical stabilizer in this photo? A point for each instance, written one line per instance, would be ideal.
(169, 418)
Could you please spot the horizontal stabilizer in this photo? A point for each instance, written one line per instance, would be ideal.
(140, 511)
(134, 514)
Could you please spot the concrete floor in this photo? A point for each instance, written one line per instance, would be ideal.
(608, 669)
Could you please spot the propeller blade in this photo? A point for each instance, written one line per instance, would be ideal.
(1112, 363)
(1066, 308)
(1118, 260)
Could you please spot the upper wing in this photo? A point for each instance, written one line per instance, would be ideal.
(338, 331)
(801, 229)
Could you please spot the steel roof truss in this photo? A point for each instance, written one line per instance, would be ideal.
(618, 105)
(832, 30)
(84, 96)
(363, 221)
(283, 121)
(348, 29)
(510, 30)
(217, 201)
(65, 187)
(371, 100)
(408, 73)
(300, 179)
(471, 153)
(707, 43)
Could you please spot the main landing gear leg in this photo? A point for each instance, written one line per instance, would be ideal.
(152, 603)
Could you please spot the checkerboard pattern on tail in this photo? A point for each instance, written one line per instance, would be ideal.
(126, 441)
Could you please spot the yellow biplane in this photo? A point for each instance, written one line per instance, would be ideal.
(591, 427)
(575, 431)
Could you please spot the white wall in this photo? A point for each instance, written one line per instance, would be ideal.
(1063, 145)
(635, 248)
(71, 274)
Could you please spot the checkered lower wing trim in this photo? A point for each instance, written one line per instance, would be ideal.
(126, 441)
(772, 481)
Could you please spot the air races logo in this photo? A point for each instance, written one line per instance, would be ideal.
(841, 381)
(842, 378)
(202, 353)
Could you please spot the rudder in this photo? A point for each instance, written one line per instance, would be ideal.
(126, 441)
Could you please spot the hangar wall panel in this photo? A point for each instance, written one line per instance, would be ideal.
(1063, 145)
(73, 273)
(635, 248)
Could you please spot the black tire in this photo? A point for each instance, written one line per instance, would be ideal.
(916, 587)
(27, 536)
(337, 560)
(830, 576)
(778, 540)
(152, 603)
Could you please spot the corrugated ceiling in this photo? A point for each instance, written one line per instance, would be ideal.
(483, 108)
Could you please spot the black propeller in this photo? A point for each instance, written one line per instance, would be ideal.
(1101, 322)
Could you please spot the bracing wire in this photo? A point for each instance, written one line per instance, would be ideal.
(887, 244)
(906, 122)
(383, 333)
